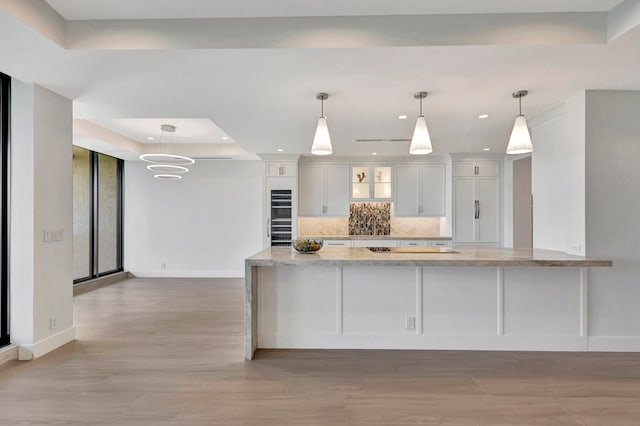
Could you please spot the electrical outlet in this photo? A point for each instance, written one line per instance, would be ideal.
(576, 249)
(53, 323)
(410, 323)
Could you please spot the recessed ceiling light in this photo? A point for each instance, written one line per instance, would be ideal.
(487, 149)
(402, 117)
(280, 150)
(482, 116)
(224, 138)
(150, 138)
(374, 153)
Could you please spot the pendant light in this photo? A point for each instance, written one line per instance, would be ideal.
(169, 165)
(520, 140)
(421, 141)
(322, 140)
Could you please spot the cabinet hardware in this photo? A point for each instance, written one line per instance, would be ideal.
(477, 209)
(281, 170)
(476, 170)
(268, 228)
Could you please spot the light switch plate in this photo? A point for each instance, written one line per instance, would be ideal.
(51, 235)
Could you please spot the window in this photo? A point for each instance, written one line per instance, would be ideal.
(97, 214)
(5, 93)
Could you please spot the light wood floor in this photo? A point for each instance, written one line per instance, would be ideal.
(169, 352)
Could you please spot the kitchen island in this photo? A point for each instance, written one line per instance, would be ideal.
(476, 298)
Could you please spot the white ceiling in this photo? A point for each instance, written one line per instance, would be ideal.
(154, 9)
(188, 130)
(264, 99)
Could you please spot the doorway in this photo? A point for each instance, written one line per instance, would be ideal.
(522, 204)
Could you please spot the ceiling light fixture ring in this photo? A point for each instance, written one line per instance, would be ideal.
(167, 177)
(170, 159)
(167, 168)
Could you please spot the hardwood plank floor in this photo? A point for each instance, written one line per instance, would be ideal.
(169, 352)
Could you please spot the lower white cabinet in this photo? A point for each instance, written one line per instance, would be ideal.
(337, 243)
(413, 243)
(374, 243)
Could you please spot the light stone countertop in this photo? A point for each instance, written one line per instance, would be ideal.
(373, 237)
(468, 256)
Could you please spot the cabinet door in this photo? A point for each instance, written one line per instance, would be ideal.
(337, 190)
(488, 223)
(413, 243)
(407, 188)
(337, 243)
(433, 190)
(464, 209)
(488, 168)
(464, 168)
(281, 168)
(312, 191)
(360, 183)
(382, 183)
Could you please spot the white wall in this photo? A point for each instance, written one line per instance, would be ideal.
(204, 225)
(613, 206)
(41, 199)
(558, 177)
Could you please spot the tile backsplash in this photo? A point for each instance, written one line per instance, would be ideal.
(399, 226)
(370, 219)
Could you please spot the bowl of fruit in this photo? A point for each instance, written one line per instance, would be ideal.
(306, 245)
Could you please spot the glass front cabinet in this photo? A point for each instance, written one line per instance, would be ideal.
(371, 183)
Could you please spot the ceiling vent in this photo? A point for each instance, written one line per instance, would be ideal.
(381, 140)
(213, 158)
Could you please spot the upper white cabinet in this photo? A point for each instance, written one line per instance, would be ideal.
(324, 190)
(371, 183)
(476, 202)
(281, 168)
(471, 168)
(420, 190)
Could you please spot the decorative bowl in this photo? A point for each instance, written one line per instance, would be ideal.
(307, 245)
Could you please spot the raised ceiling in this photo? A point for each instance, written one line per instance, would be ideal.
(169, 9)
(264, 97)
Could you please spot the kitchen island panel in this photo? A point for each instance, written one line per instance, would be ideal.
(377, 300)
(459, 301)
(295, 301)
(542, 301)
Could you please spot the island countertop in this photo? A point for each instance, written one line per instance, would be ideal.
(467, 256)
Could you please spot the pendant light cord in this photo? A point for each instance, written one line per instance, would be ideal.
(322, 108)
(420, 107)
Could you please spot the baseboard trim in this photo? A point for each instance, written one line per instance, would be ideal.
(31, 351)
(107, 280)
(614, 344)
(8, 353)
(189, 274)
(424, 342)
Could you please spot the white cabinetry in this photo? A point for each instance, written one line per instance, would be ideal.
(371, 183)
(281, 168)
(374, 243)
(476, 202)
(324, 190)
(472, 168)
(337, 243)
(420, 190)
